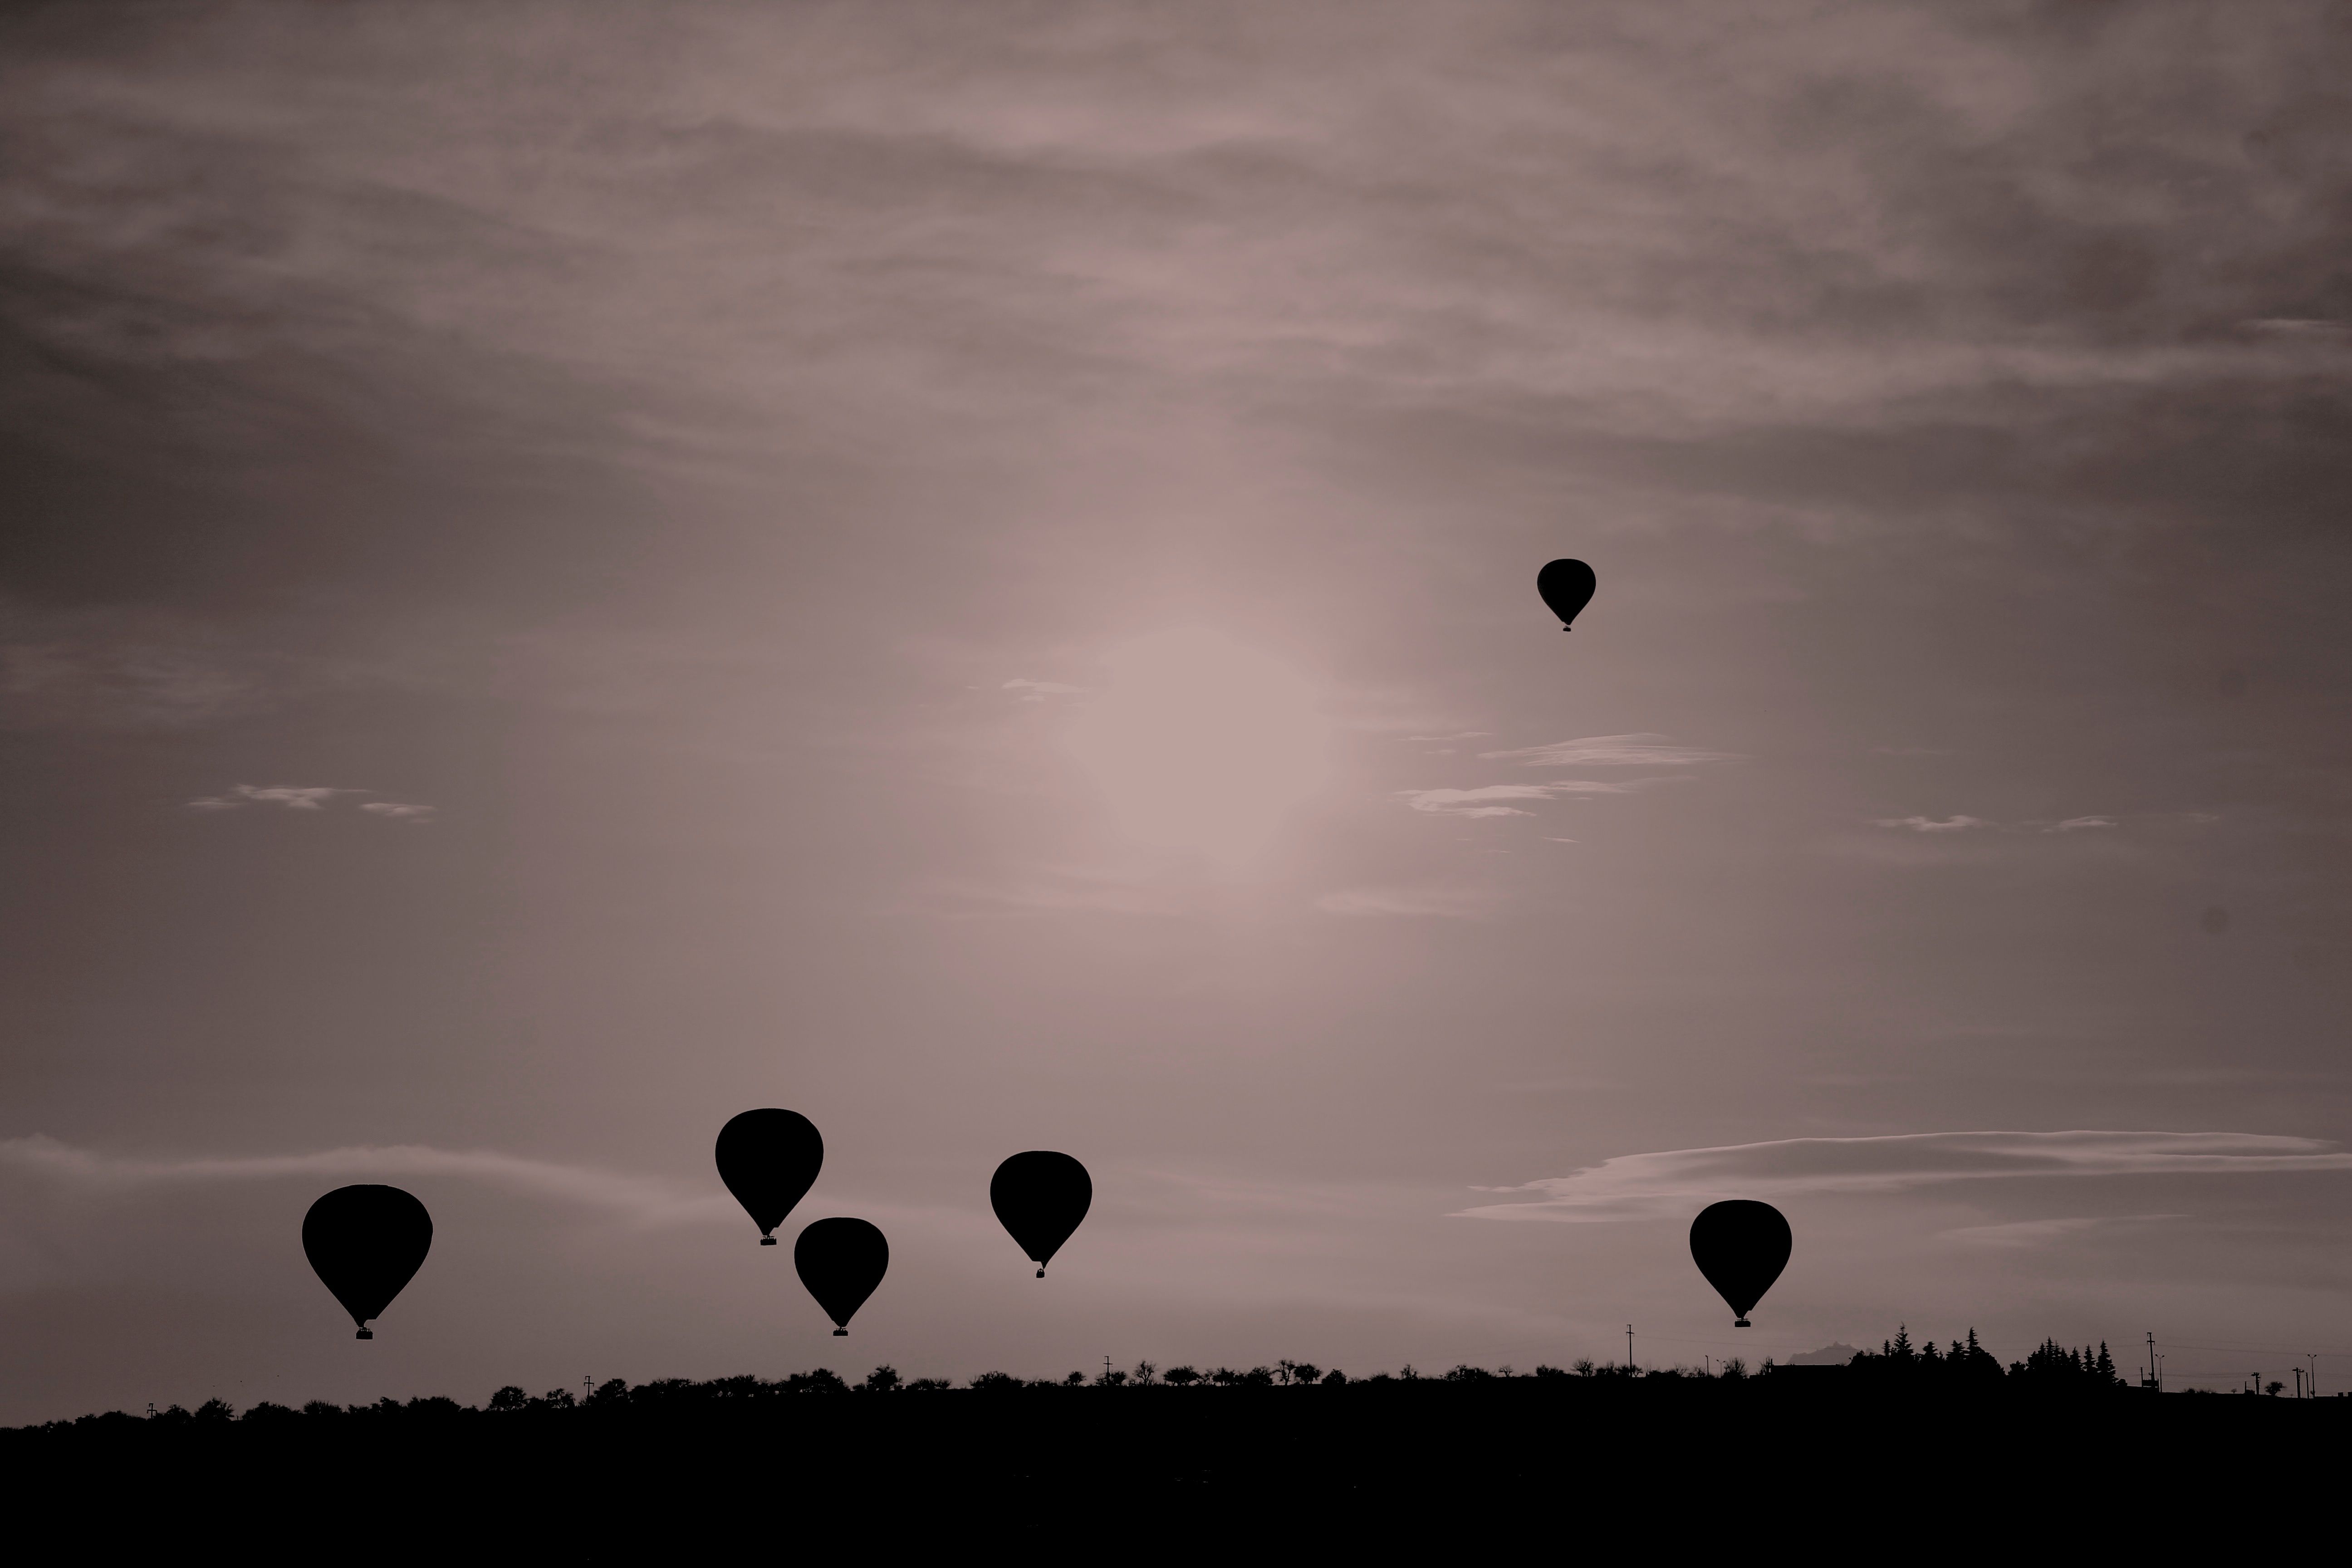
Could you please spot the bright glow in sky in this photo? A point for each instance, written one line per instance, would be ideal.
(1200, 743)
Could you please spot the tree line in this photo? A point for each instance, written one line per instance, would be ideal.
(1897, 1360)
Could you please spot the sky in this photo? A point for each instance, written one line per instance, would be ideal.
(968, 570)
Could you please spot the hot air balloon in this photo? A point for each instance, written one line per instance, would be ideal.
(1567, 587)
(1040, 1197)
(841, 1261)
(365, 1243)
(769, 1160)
(1740, 1245)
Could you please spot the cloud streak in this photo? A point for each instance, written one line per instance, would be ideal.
(1642, 1186)
(643, 1200)
(1038, 691)
(1406, 902)
(293, 797)
(398, 812)
(1642, 751)
(1487, 800)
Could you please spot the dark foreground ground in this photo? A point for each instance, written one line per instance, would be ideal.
(1762, 1469)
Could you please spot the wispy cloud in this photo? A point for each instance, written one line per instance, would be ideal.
(2029, 1232)
(395, 809)
(1442, 903)
(2076, 824)
(1486, 800)
(1927, 824)
(294, 797)
(1645, 751)
(641, 1199)
(1038, 691)
(1640, 1186)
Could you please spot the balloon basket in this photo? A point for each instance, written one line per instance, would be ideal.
(1740, 1324)
(364, 1334)
(841, 1334)
(767, 1241)
(1041, 1274)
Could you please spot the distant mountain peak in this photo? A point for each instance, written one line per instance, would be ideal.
(1828, 1355)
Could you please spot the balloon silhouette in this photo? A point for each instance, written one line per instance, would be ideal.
(365, 1243)
(1740, 1245)
(1040, 1197)
(769, 1160)
(841, 1261)
(1567, 587)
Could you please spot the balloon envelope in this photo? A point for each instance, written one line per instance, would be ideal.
(769, 1160)
(365, 1243)
(1040, 1197)
(1567, 587)
(1740, 1245)
(841, 1261)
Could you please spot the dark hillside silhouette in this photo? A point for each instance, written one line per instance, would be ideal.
(1290, 1449)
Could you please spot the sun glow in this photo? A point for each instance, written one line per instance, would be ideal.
(1200, 743)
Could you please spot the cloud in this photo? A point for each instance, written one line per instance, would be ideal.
(642, 1199)
(1923, 825)
(2074, 823)
(416, 814)
(1464, 735)
(1038, 691)
(1484, 801)
(1640, 1187)
(1609, 750)
(2301, 326)
(2021, 1233)
(1442, 903)
(294, 797)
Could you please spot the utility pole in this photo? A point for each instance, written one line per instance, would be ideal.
(2154, 1380)
(2314, 1375)
(1629, 1347)
(1106, 1369)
